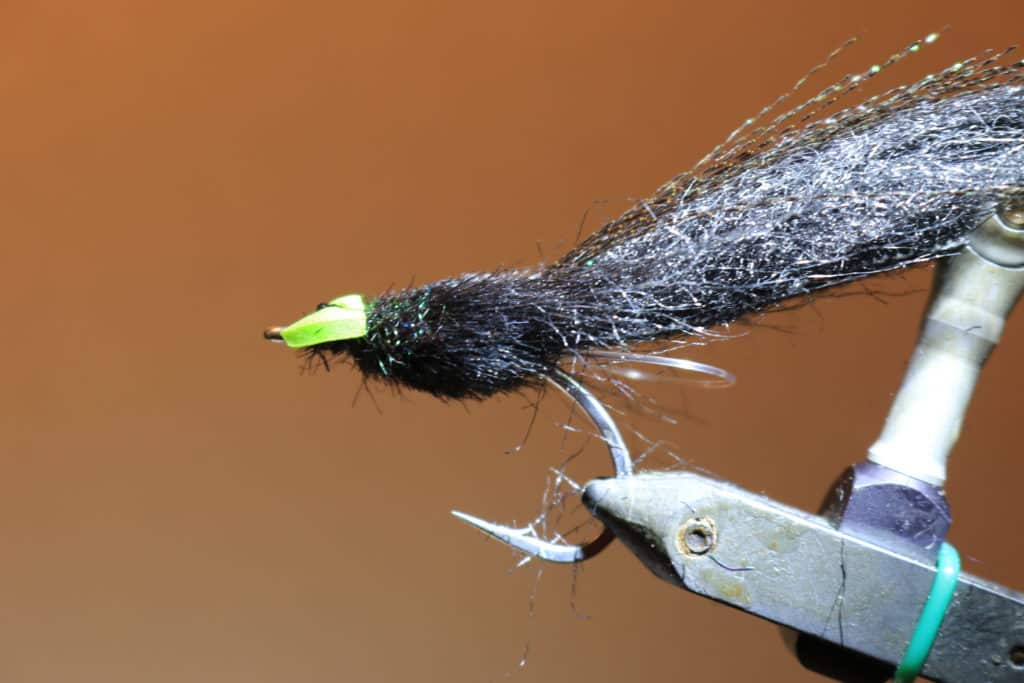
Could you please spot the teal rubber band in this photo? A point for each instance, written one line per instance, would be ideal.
(947, 572)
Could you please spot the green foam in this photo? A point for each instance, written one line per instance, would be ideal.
(342, 318)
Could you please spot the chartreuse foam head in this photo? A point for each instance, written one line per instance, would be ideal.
(342, 318)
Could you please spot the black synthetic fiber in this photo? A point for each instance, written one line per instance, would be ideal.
(789, 208)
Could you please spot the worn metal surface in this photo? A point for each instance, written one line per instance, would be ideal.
(882, 506)
(889, 508)
(793, 568)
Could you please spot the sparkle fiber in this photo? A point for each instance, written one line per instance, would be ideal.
(797, 205)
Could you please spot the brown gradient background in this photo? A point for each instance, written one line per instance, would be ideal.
(179, 503)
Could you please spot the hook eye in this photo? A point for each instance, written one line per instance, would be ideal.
(525, 538)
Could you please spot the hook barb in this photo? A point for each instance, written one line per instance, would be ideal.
(525, 538)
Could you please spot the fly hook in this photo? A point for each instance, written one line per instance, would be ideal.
(525, 538)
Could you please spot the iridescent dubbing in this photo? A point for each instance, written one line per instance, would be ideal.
(787, 209)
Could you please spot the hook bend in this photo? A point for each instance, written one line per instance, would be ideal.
(525, 538)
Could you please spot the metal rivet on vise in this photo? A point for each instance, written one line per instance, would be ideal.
(697, 536)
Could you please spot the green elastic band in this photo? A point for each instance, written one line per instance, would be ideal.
(947, 572)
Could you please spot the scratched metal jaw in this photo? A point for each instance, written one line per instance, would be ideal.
(796, 569)
(852, 581)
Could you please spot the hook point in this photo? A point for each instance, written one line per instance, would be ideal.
(525, 538)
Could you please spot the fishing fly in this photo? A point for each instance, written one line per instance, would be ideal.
(784, 207)
(804, 201)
